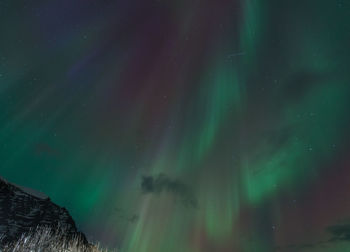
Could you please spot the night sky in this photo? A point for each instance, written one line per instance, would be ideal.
(182, 126)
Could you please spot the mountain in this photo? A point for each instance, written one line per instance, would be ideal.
(21, 211)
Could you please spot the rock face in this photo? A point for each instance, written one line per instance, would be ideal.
(21, 211)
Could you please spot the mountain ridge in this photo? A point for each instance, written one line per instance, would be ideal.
(21, 212)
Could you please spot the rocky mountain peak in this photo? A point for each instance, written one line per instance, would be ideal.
(21, 211)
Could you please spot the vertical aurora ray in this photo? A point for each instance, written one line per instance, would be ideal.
(241, 106)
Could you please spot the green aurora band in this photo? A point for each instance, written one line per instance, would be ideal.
(245, 102)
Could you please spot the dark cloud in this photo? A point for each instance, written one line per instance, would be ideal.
(162, 183)
(340, 232)
(133, 218)
(125, 216)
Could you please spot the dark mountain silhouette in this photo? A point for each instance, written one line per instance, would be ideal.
(21, 212)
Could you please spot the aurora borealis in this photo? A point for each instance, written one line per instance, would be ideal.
(182, 126)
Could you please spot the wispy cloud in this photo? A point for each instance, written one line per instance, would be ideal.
(339, 233)
(163, 183)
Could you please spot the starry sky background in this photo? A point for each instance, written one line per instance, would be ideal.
(191, 126)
